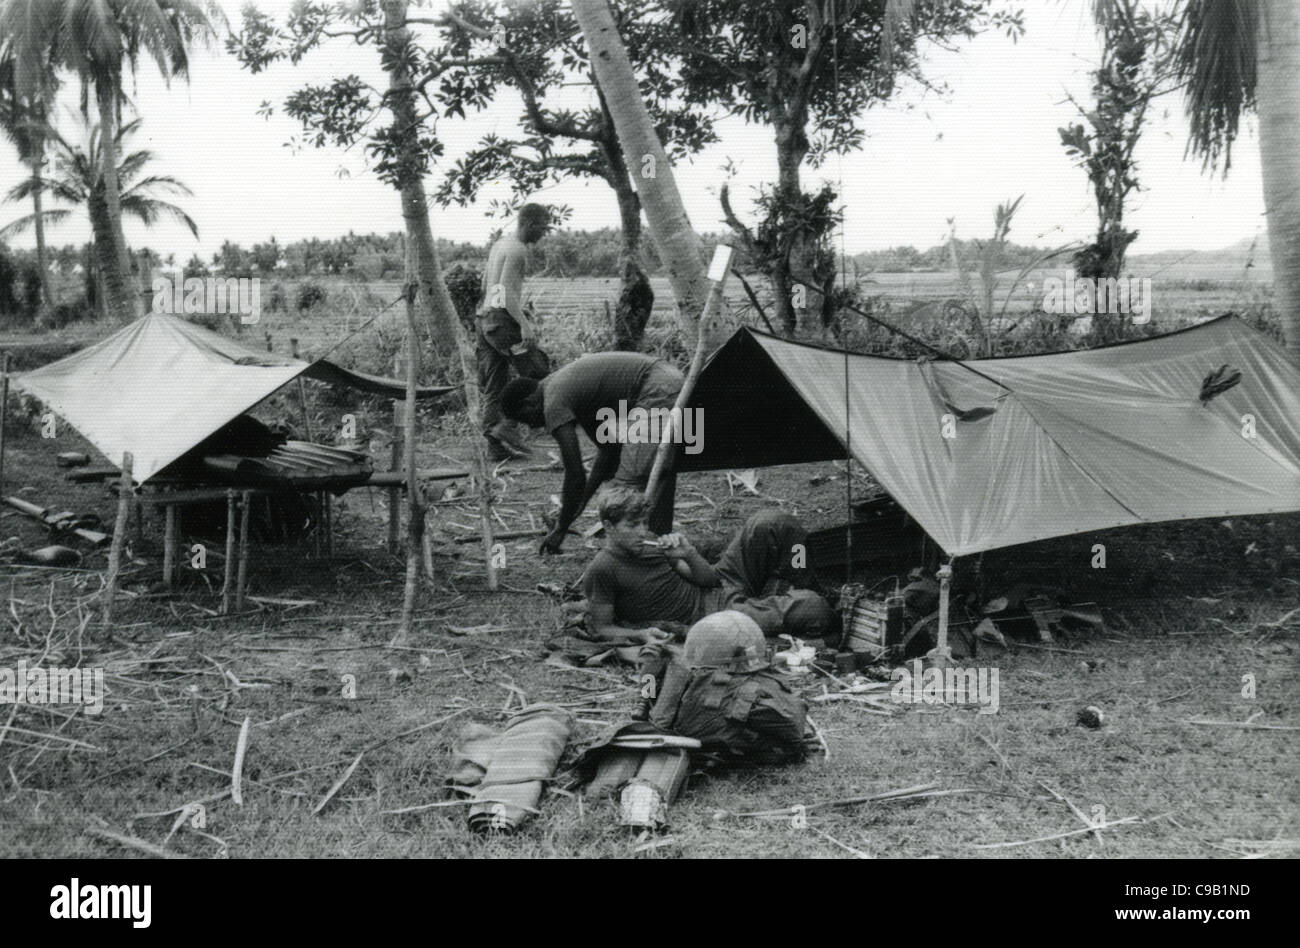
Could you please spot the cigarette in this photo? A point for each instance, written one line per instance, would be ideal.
(653, 543)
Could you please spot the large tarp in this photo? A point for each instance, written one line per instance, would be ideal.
(161, 385)
(1045, 446)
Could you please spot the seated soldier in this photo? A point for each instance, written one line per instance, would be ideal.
(647, 588)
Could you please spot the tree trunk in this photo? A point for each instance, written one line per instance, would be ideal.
(441, 320)
(636, 299)
(42, 259)
(1278, 106)
(670, 228)
(110, 244)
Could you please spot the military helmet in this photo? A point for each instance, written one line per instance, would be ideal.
(728, 640)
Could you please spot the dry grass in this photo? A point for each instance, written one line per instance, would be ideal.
(1191, 609)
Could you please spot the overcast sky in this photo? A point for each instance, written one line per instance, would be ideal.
(926, 159)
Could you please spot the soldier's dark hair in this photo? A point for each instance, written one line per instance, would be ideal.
(534, 214)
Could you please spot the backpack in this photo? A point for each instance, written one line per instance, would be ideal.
(749, 715)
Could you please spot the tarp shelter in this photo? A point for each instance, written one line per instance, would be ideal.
(161, 385)
(1045, 446)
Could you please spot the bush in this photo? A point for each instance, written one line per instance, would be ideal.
(465, 284)
(310, 295)
(279, 302)
(66, 313)
(20, 290)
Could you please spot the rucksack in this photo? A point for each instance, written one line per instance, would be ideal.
(749, 715)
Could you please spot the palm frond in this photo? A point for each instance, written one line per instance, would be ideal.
(90, 41)
(14, 228)
(163, 182)
(1216, 56)
(150, 210)
(29, 28)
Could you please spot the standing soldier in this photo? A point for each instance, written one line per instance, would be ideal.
(507, 332)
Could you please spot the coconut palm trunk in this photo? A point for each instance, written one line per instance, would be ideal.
(438, 311)
(42, 259)
(670, 228)
(1278, 106)
(110, 245)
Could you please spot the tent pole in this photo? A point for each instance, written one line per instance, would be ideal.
(228, 581)
(302, 396)
(718, 271)
(124, 492)
(246, 501)
(169, 544)
(4, 406)
(394, 493)
(942, 655)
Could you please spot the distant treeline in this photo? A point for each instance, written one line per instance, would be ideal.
(564, 253)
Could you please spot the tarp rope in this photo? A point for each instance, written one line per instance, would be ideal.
(362, 328)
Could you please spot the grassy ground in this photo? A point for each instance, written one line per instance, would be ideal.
(1191, 608)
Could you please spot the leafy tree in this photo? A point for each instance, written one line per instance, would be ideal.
(545, 54)
(809, 69)
(346, 110)
(1135, 68)
(266, 257)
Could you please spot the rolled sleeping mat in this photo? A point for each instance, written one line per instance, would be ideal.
(523, 758)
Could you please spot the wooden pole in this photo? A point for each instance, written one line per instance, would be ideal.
(246, 501)
(481, 469)
(169, 545)
(302, 394)
(227, 586)
(4, 413)
(124, 493)
(414, 498)
(718, 272)
(942, 655)
(394, 492)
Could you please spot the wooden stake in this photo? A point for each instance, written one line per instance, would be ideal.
(227, 585)
(703, 333)
(942, 655)
(4, 413)
(169, 545)
(246, 502)
(302, 394)
(480, 454)
(414, 498)
(394, 493)
(124, 494)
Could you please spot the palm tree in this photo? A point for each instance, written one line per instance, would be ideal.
(1237, 56)
(78, 179)
(674, 237)
(22, 118)
(96, 39)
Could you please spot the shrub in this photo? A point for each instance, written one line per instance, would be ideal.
(20, 290)
(310, 295)
(279, 301)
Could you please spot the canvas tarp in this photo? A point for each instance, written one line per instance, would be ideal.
(1074, 442)
(161, 385)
